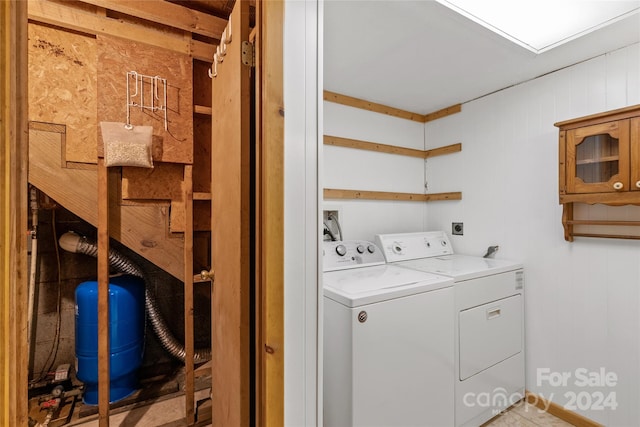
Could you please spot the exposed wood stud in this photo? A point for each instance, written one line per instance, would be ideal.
(166, 13)
(103, 295)
(189, 387)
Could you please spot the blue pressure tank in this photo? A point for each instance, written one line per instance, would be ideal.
(126, 335)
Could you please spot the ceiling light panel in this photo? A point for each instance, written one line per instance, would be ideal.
(542, 25)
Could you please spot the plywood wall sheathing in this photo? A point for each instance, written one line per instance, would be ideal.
(163, 182)
(62, 87)
(118, 56)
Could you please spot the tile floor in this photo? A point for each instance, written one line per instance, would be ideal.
(169, 413)
(524, 415)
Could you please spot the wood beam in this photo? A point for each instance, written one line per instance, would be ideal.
(13, 214)
(166, 13)
(270, 344)
(103, 295)
(89, 23)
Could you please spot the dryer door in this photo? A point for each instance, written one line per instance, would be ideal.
(489, 334)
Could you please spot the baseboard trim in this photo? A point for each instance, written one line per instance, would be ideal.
(559, 411)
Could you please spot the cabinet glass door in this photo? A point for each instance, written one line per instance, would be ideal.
(598, 158)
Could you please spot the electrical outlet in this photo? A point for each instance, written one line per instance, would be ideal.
(457, 228)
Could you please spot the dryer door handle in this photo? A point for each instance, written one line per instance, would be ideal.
(492, 313)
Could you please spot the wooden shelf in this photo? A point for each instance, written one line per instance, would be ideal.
(332, 193)
(598, 160)
(391, 149)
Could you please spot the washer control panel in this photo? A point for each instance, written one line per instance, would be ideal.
(345, 254)
(406, 246)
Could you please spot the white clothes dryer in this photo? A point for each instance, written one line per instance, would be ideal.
(489, 321)
(388, 341)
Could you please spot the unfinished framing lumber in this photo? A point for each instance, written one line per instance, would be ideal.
(390, 149)
(189, 386)
(13, 214)
(270, 226)
(331, 193)
(103, 294)
(165, 13)
(390, 111)
(89, 23)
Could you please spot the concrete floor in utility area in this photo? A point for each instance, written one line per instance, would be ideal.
(170, 412)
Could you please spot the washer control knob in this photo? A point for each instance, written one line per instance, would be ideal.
(443, 242)
(341, 250)
(360, 249)
(371, 249)
(397, 248)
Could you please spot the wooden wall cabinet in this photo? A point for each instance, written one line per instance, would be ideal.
(599, 161)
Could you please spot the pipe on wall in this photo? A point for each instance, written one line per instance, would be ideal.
(75, 243)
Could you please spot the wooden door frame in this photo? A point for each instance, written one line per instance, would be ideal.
(269, 340)
(13, 222)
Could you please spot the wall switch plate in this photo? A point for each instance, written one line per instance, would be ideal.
(457, 228)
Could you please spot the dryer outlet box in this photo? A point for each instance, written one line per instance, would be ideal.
(331, 219)
(326, 214)
(457, 228)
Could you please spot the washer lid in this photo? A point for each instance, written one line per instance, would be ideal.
(359, 286)
(461, 267)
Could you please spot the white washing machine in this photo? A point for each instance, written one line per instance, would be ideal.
(489, 321)
(388, 341)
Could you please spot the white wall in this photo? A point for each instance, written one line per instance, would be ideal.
(303, 118)
(582, 298)
(346, 168)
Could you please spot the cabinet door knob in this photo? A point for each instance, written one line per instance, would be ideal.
(638, 184)
(207, 275)
(618, 185)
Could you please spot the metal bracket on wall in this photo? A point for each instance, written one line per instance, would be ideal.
(248, 54)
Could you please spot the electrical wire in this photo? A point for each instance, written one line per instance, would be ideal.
(53, 353)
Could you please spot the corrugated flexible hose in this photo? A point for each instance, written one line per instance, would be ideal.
(72, 242)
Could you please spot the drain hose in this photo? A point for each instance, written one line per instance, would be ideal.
(72, 242)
